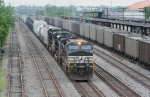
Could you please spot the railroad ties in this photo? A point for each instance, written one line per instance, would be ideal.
(15, 86)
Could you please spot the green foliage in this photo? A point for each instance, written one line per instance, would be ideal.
(2, 80)
(2, 84)
(119, 9)
(147, 9)
(6, 20)
(39, 13)
(55, 11)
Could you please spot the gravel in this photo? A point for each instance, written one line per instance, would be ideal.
(32, 84)
(65, 84)
(144, 92)
(106, 90)
(135, 67)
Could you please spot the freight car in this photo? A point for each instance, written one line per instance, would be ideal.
(144, 57)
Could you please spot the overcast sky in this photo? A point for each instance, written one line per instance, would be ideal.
(73, 2)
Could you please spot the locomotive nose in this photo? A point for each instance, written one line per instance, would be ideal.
(81, 73)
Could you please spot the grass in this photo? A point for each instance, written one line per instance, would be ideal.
(2, 80)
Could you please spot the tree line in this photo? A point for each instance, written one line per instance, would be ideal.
(55, 11)
(7, 19)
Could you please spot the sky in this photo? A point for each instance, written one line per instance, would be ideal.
(73, 2)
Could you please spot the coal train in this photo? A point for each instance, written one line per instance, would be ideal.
(131, 45)
(75, 55)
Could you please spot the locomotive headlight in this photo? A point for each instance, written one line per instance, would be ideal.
(79, 43)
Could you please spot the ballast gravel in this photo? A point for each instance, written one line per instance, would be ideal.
(106, 90)
(32, 84)
(134, 66)
(144, 92)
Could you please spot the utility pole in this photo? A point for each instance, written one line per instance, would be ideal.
(123, 14)
(145, 14)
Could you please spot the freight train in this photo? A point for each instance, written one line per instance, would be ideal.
(134, 46)
(75, 55)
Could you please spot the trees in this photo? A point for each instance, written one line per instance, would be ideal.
(54, 11)
(6, 20)
(147, 10)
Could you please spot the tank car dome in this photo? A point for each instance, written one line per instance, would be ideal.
(140, 4)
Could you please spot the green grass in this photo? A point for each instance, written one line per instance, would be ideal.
(2, 84)
(2, 80)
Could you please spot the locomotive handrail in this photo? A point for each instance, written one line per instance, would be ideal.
(69, 64)
(92, 63)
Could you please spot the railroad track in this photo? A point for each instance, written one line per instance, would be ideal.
(49, 84)
(15, 82)
(138, 77)
(118, 86)
(87, 89)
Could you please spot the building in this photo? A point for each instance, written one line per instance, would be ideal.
(136, 10)
(23, 9)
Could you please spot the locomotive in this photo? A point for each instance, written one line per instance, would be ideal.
(76, 57)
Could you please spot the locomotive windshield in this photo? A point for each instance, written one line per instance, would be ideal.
(76, 47)
(86, 47)
(73, 47)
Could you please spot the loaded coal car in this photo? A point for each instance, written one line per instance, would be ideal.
(76, 56)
